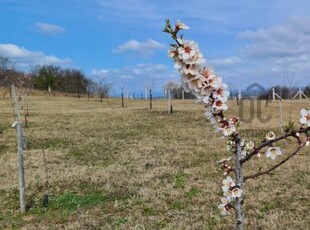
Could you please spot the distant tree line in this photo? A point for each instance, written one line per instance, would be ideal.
(74, 81)
(284, 92)
(52, 78)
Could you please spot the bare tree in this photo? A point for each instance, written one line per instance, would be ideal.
(90, 88)
(9, 75)
(171, 89)
(148, 90)
(174, 88)
(103, 88)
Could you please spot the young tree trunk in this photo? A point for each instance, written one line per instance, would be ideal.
(150, 99)
(239, 182)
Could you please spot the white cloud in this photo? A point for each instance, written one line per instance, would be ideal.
(225, 61)
(23, 57)
(11, 50)
(99, 73)
(289, 40)
(281, 47)
(145, 48)
(49, 29)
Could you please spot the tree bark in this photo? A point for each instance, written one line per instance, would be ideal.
(239, 182)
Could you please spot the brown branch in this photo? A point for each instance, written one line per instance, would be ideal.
(268, 143)
(276, 165)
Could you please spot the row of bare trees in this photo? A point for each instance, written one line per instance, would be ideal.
(285, 92)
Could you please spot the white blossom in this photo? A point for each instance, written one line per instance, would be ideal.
(250, 145)
(273, 152)
(228, 183)
(270, 136)
(225, 205)
(228, 130)
(305, 117)
(181, 26)
(188, 50)
(236, 192)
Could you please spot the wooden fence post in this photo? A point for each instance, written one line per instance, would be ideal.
(151, 98)
(170, 110)
(122, 95)
(20, 154)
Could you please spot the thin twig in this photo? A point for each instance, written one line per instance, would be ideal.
(276, 165)
(268, 143)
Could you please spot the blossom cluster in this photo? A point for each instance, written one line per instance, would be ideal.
(225, 165)
(272, 151)
(201, 80)
(230, 189)
(230, 192)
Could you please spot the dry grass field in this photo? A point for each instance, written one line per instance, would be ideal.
(138, 168)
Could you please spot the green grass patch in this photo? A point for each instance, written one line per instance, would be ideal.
(72, 201)
(149, 211)
(268, 205)
(193, 192)
(180, 180)
(177, 205)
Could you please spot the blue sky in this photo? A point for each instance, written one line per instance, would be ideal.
(261, 41)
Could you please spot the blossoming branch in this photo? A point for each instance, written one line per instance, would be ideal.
(209, 89)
